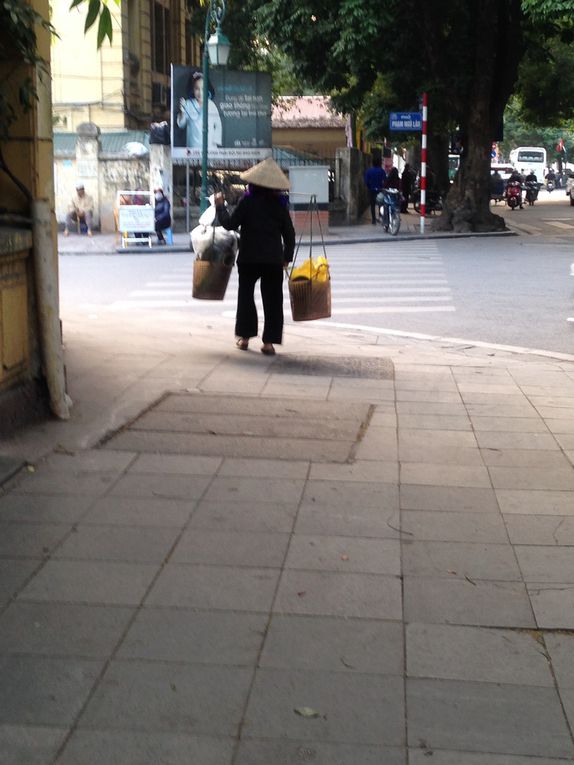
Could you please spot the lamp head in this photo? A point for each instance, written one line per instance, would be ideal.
(218, 47)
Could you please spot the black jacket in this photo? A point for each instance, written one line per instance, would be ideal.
(162, 214)
(267, 233)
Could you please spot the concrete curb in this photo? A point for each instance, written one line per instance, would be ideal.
(329, 242)
(514, 349)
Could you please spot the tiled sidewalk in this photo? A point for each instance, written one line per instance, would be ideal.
(412, 602)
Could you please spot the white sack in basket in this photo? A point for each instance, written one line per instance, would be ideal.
(215, 244)
(208, 216)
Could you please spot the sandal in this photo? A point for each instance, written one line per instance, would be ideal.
(268, 349)
(242, 343)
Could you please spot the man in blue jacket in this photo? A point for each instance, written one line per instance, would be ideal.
(375, 177)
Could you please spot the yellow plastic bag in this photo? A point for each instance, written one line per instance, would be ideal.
(313, 268)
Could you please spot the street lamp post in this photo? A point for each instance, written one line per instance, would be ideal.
(215, 49)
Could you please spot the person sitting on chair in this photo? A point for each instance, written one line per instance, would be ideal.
(81, 210)
(162, 215)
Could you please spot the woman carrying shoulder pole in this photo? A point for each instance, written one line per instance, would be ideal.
(266, 246)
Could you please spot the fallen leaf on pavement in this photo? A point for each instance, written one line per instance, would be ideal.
(306, 712)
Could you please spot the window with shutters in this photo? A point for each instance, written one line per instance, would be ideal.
(160, 36)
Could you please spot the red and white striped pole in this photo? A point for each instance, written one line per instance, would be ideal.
(424, 162)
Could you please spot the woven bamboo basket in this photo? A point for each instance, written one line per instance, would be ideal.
(210, 280)
(310, 299)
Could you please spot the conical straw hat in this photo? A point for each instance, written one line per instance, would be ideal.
(267, 174)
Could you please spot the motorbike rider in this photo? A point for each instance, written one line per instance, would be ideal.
(392, 181)
(375, 176)
(531, 183)
(407, 186)
(516, 177)
(550, 179)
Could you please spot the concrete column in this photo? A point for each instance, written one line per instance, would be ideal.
(87, 159)
(161, 170)
(352, 185)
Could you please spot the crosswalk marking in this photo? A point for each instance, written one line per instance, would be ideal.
(395, 282)
(392, 299)
(138, 304)
(160, 293)
(394, 309)
(384, 290)
(559, 224)
(408, 278)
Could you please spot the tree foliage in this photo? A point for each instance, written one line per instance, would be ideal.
(18, 46)
(518, 132)
(545, 87)
(99, 12)
(376, 57)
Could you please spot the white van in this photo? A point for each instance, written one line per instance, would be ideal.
(505, 169)
(527, 158)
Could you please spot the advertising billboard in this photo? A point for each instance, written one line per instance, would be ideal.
(239, 116)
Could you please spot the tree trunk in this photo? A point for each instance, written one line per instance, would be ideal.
(438, 144)
(496, 55)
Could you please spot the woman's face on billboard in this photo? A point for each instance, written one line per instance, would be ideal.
(198, 89)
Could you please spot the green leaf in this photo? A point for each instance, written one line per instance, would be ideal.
(93, 12)
(76, 3)
(105, 26)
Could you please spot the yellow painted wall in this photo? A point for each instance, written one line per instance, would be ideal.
(29, 155)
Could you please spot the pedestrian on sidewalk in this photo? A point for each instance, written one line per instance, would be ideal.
(162, 215)
(374, 179)
(407, 185)
(81, 210)
(266, 246)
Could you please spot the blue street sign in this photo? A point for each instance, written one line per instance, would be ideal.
(405, 121)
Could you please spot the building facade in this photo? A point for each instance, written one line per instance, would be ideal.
(309, 124)
(125, 85)
(31, 358)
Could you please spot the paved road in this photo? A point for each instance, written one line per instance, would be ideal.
(511, 291)
(551, 216)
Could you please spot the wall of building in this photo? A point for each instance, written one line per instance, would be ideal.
(113, 174)
(323, 142)
(87, 83)
(118, 86)
(29, 155)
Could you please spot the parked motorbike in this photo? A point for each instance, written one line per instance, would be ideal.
(513, 194)
(531, 192)
(433, 202)
(389, 201)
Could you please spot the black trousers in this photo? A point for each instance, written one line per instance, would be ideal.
(271, 275)
(373, 203)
